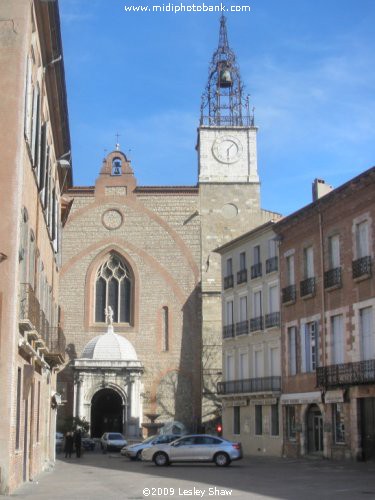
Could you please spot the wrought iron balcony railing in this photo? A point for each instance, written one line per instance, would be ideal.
(228, 282)
(263, 384)
(289, 294)
(29, 309)
(272, 319)
(242, 327)
(361, 267)
(256, 324)
(241, 276)
(228, 331)
(307, 287)
(56, 346)
(360, 372)
(225, 121)
(272, 264)
(332, 278)
(256, 270)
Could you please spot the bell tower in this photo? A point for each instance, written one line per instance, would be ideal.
(227, 135)
(229, 197)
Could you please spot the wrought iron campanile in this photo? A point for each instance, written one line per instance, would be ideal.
(222, 102)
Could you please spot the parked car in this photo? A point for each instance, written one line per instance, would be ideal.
(112, 441)
(194, 448)
(134, 451)
(88, 443)
(59, 442)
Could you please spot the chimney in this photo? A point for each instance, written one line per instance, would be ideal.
(320, 188)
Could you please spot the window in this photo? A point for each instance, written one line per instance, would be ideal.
(165, 329)
(258, 420)
(308, 260)
(243, 308)
(229, 267)
(309, 346)
(229, 367)
(274, 361)
(116, 166)
(236, 420)
(272, 248)
(257, 304)
(338, 423)
(243, 366)
(334, 251)
(258, 363)
(18, 409)
(337, 339)
(256, 255)
(113, 288)
(229, 312)
(290, 423)
(362, 239)
(292, 350)
(36, 128)
(242, 261)
(274, 420)
(273, 299)
(290, 270)
(28, 99)
(38, 414)
(366, 333)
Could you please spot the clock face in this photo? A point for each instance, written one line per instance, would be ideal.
(227, 149)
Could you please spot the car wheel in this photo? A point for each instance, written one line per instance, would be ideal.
(160, 459)
(221, 459)
(139, 455)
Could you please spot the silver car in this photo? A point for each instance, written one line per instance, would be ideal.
(194, 448)
(134, 451)
(112, 441)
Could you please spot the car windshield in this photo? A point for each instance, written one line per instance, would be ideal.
(115, 436)
(149, 439)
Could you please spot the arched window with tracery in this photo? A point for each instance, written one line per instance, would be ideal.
(113, 287)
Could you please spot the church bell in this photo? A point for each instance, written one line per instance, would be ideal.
(225, 78)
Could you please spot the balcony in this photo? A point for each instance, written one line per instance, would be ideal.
(256, 270)
(242, 276)
(242, 328)
(256, 324)
(289, 294)
(332, 278)
(29, 309)
(250, 385)
(44, 328)
(307, 287)
(361, 372)
(228, 282)
(228, 331)
(272, 264)
(272, 319)
(361, 268)
(56, 346)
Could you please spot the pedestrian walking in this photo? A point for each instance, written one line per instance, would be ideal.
(78, 442)
(68, 444)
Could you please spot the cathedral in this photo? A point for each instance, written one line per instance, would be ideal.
(140, 285)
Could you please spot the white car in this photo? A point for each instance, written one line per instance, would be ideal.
(112, 441)
(194, 448)
(134, 451)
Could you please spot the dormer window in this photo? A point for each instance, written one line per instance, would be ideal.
(116, 166)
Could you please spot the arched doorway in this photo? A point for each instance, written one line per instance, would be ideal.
(314, 421)
(106, 412)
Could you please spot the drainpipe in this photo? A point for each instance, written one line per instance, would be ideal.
(323, 308)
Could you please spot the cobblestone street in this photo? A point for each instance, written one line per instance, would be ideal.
(96, 476)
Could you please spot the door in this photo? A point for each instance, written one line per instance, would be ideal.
(183, 449)
(368, 428)
(314, 430)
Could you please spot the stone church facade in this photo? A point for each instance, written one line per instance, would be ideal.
(147, 251)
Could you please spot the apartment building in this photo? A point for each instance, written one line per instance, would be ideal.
(328, 322)
(251, 385)
(34, 171)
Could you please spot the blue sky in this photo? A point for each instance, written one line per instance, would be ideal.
(309, 67)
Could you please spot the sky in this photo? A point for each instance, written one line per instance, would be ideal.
(309, 67)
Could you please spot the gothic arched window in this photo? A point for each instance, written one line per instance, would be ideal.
(113, 287)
